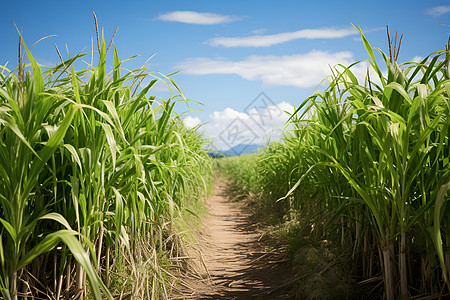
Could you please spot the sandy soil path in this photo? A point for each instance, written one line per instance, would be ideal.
(236, 261)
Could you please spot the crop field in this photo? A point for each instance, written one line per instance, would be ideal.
(365, 174)
(100, 182)
(94, 178)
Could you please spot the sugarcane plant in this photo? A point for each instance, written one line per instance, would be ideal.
(369, 158)
(94, 173)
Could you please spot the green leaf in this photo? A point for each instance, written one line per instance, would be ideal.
(47, 151)
(111, 141)
(12, 232)
(74, 154)
(37, 74)
(58, 218)
(115, 116)
(400, 89)
(80, 255)
(371, 54)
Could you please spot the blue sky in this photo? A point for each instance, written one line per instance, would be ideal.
(228, 52)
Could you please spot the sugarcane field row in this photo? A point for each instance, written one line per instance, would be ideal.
(103, 187)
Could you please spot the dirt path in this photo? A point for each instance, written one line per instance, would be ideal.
(236, 261)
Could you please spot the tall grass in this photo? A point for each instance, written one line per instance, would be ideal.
(93, 173)
(368, 163)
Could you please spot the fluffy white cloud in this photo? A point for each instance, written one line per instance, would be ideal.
(273, 39)
(438, 10)
(191, 122)
(192, 17)
(229, 127)
(228, 114)
(299, 70)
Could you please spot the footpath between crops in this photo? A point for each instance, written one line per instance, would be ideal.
(233, 259)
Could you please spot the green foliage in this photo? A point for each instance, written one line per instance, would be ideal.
(368, 164)
(89, 161)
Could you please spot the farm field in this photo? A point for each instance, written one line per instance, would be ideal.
(362, 182)
(109, 191)
(95, 178)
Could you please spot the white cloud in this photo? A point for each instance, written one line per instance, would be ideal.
(230, 127)
(191, 122)
(417, 59)
(228, 114)
(438, 11)
(192, 17)
(299, 70)
(279, 38)
(258, 31)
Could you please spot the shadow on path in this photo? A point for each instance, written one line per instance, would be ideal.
(241, 262)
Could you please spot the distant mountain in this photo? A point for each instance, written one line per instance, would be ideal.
(237, 150)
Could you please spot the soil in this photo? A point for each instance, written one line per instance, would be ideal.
(233, 258)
